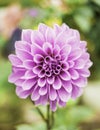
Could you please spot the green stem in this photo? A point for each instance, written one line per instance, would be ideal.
(48, 117)
(41, 114)
(52, 119)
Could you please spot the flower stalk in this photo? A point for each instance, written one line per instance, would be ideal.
(49, 121)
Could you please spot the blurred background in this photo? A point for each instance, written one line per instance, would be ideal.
(84, 15)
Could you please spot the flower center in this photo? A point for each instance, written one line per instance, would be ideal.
(52, 66)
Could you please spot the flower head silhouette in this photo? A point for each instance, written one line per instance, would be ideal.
(50, 64)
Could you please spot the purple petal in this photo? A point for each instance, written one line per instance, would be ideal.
(76, 34)
(80, 82)
(21, 93)
(41, 82)
(23, 55)
(75, 54)
(71, 64)
(61, 103)
(53, 106)
(15, 61)
(52, 94)
(37, 37)
(41, 74)
(43, 90)
(35, 94)
(67, 86)
(29, 75)
(47, 47)
(61, 38)
(29, 64)
(15, 76)
(73, 42)
(57, 83)
(42, 28)
(35, 49)
(19, 82)
(42, 100)
(76, 92)
(63, 95)
(28, 84)
(84, 72)
(56, 50)
(37, 69)
(66, 50)
(22, 45)
(64, 26)
(50, 35)
(65, 75)
(50, 80)
(65, 66)
(26, 35)
(57, 29)
(38, 58)
(79, 64)
(74, 74)
(88, 64)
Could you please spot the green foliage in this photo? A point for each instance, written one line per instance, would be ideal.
(23, 3)
(39, 126)
(84, 15)
(72, 116)
(67, 118)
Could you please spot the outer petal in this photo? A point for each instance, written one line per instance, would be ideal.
(57, 29)
(53, 105)
(80, 82)
(75, 54)
(50, 35)
(21, 93)
(74, 74)
(37, 37)
(23, 55)
(28, 84)
(76, 92)
(42, 28)
(15, 76)
(23, 45)
(15, 60)
(26, 35)
(43, 100)
(29, 64)
(61, 103)
(67, 86)
(63, 95)
(35, 94)
(79, 64)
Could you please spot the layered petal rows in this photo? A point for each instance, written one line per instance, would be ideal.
(50, 64)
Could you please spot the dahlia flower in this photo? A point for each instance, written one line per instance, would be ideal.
(51, 65)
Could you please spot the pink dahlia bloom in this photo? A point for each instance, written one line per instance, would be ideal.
(50, 64)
